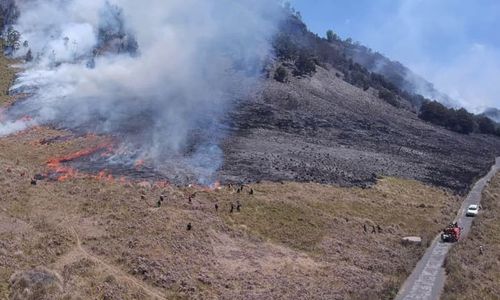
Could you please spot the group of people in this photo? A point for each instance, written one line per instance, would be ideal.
(232, 207)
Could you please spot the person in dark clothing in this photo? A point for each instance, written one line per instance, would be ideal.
(216, 207)
(232, 208)
(251, 192)
(189, 226)
(379, 229)
(238, 206)
(158, 204)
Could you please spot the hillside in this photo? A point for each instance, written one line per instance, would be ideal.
(326, 167)
(325, 127)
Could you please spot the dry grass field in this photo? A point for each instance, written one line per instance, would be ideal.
(108, 240)
(97, 238)
(6, 77)
(472, 275)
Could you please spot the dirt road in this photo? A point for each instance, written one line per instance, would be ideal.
(428, 278)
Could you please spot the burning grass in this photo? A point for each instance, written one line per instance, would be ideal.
(472, 275)
(63, 172)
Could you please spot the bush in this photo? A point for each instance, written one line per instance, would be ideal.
(285, 48)
(11, 42)
(486, 125)
(331, 36)
(435, 112)
(464, 121)
(388, 97)
(305, 65)
(460, 120)
(29, 56)
(281, 74)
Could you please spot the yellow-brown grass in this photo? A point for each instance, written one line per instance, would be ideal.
(288, 240)
(6, 76)
(472, 275)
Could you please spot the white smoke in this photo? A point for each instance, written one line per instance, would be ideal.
(194, 58)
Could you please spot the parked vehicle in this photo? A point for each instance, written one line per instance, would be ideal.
(472, 210)
(451, 234)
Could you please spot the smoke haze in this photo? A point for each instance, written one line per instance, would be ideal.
(158, 74)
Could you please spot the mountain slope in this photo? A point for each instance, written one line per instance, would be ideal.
(333, 126)
(323, 129)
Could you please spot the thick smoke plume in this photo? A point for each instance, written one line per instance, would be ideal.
(157, 74)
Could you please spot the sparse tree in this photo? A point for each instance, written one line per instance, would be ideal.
(13, 37)
(305, 65)
(298, 15)
(486, 125)
(331, 36)
(388, 97)
(435, 112)
(464, 121)
(29, 56)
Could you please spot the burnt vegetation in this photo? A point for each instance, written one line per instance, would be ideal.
(298, 48)
(458, 120)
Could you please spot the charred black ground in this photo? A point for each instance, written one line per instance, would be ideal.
(322, 129)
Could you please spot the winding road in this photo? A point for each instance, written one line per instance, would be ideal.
(428, 278)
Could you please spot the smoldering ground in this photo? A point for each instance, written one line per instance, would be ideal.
(159, 75)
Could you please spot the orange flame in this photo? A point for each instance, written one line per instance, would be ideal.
(64, 172)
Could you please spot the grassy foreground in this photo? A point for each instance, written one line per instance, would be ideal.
(472, 275)
(98, 239)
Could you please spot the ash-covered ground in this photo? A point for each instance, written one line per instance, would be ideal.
(322, 129)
